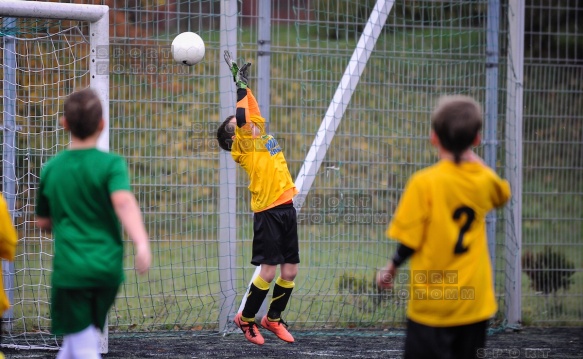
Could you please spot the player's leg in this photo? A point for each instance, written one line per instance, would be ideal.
(262, 255)
(258, 292)
(470, 338)
(284, 285)
(282, 290)
(1, 354)
(425, 342)
(84, 344)
(65, 351)
(71, 315)
(289, 247)
(255, 297)
(76, 313)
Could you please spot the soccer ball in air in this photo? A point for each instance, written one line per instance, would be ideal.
(188, 48)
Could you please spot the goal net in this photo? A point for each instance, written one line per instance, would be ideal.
(48, 51)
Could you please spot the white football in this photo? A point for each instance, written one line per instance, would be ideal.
(188, 48)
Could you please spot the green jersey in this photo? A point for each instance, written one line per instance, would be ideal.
(75, 193)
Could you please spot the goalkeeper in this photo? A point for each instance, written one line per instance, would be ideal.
(275, 236)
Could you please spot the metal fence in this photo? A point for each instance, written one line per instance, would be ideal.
(163, 117)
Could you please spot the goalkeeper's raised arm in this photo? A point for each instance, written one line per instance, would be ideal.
(247, 114)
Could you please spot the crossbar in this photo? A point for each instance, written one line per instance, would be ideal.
(51, 10)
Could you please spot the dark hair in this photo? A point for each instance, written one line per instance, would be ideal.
(456, 121)
(83, 112)
(225, 133)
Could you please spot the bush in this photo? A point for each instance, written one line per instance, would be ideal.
(548, 270)
(343, 18)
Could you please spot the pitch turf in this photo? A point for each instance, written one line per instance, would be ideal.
(528, 343)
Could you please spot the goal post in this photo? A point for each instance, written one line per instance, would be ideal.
(96, 68)
(514, 162)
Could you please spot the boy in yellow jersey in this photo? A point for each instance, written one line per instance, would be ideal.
(440, 224)
(275, 236)
(8, 239)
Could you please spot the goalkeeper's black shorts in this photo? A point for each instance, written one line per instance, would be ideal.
(275, 236)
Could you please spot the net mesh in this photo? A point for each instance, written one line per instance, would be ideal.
(49, 59)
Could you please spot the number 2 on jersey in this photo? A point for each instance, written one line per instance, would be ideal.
(470, 215)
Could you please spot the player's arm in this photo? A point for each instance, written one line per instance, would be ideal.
(246, 102)
(247, 105)
(385, 276)
(44, 223)
(501, 187)
(247, 109)
(501, 192)
(42, 211)
(242, 113)
(127, 210)
(407, 226)
(402, 254)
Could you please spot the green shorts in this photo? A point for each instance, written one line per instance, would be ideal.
(73, 310)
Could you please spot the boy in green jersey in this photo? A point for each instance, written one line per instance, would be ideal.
(85, 198)
(440, 224)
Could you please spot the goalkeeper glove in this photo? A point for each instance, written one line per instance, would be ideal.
(232, 65)
(240, 75)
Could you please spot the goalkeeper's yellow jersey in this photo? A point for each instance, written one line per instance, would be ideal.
(441, 216)
(261, 156)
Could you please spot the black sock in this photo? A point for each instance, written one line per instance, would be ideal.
(255, 298)
(281, 295)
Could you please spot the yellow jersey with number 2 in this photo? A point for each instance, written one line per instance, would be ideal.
(441, 216)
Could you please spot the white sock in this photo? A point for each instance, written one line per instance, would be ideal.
(65, 352)
(84, 344)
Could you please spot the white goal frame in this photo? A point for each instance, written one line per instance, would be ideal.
(98, 18)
